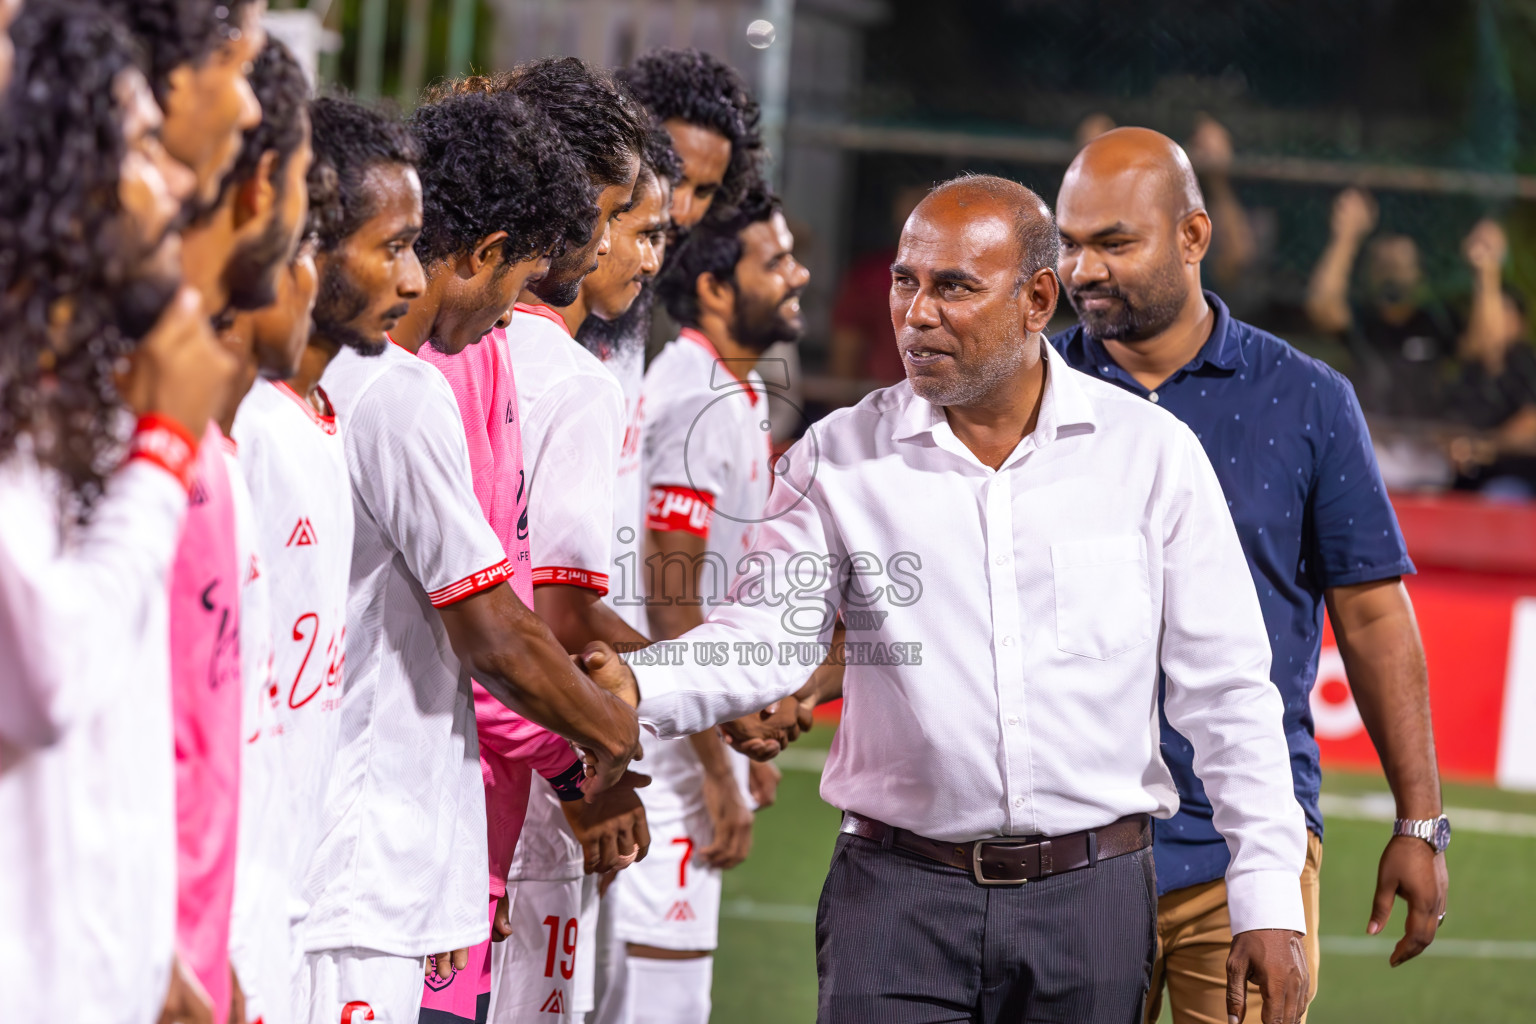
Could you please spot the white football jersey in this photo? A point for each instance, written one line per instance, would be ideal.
(260, 948)
(401, 863)
(626, 593)
(293, 461)
(572, 412)
(87, 792)
(707, 447)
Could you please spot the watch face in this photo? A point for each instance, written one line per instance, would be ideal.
(1442, 833)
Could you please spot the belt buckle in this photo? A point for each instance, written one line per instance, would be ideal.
(976, 849)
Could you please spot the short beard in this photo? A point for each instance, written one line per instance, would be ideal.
(976, 381)
(757, 327)
(621, 335)
(1150, 314)
(139, 303)
(339, 303)
(557, 292)
(251, 277)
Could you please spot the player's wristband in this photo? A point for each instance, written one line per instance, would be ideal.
(568, 783)
(166, 443)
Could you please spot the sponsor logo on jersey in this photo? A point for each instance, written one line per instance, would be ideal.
(356, 1011)
(681, 911)
(555, 1003)
(253, 573)
(303, 534)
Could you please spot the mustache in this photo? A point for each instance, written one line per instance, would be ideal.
(1095, 291)
(396, 312)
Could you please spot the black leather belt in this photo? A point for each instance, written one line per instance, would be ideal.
(1013, 860)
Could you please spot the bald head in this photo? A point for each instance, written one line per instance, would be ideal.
(1143, 154)
(978, 195)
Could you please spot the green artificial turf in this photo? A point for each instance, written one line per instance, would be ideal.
(765, 971)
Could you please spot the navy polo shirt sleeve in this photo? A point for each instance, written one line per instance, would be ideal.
(1355, 536)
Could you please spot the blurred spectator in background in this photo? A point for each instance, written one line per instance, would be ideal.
(1402, 340)
(1495, 388)
(1233, 246)
(1092, 126)
(863, 347)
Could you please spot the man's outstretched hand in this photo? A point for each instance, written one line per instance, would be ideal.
(609, 671)
(610, 826)
(1410, 868)
(1275, 960)
(764, 735)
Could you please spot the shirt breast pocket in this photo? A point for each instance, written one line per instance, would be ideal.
(1103, 598)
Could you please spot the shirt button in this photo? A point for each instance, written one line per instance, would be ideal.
(1007, 641)
(1153, 398)
(1001, 559)
(1018, 801)
(1013, 719)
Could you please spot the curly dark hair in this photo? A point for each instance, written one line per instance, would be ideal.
(714, 248)
(596, 113)
(705, 91)
(71, 299)
(659, 157)
(349, 139)
(490, 162)
(177, 32)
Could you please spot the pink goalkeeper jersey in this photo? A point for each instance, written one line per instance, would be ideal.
(511, 747)
(205, 705)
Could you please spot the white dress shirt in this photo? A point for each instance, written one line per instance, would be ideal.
(1012, 624)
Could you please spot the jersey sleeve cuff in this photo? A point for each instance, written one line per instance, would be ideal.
(679, 509)
(570, 576)
(161, 441)
(567, 784)
(1266, 899)
(471, 585)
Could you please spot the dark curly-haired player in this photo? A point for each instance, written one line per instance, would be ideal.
(88, 263)
(713, 120)
(401, 862)
(199, 53)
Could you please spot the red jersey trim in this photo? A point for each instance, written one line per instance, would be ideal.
(679, 509)
(325, 423)
(547, 312)
(165, 443)
(547, 574)
(700, 339)
(485, 579)
(229, 444)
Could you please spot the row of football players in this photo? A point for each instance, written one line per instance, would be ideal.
(239, 753)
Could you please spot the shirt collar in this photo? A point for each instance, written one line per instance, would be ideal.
(547, 312)
(1063, 405)
(699, 338)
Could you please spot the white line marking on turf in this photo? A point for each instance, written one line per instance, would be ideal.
(1338, 945)
(1379, 807)
(802, 759)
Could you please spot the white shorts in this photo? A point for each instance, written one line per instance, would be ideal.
(351, 986)
(669, 900)
(544, 970)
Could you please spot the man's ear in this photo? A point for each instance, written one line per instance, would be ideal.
(715, 296)
(258, 195)
(486, 252)
(1194, 236)
(1038, 298)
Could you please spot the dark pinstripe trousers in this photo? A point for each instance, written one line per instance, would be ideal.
(905, 940)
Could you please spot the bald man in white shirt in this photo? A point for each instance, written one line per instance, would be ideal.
(1022, 555)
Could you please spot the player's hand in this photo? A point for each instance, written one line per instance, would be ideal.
(501, 924)
(1354, 214)
(611, 826)
(1412, 869)
(446, 965)
(609, 671)
(236, 998)
(762, 736)
(731, 819)
(763, 780)
(179, 370)
(1275, 960)
(1210, 147)
(185, 1000)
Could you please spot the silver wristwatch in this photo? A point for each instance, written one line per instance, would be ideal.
(1434, 831)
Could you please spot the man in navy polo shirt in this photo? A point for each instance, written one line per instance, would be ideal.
(1290, 446)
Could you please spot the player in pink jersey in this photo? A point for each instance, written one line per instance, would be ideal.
(490, 222)
(400, 872)
(86, 777)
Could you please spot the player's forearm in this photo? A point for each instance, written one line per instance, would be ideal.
(670, 620)
(1384, 658)
(1486, 317)
(577, 616)
(709, 748)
